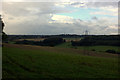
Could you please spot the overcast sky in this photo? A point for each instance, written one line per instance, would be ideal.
(60, 17)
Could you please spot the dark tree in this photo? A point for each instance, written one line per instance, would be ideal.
(4, 36)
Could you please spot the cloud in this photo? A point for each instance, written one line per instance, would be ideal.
(78, 4)
(110, 8)
(70, 3)
(104, 13)
(42, 18)
(60, 0)
(114, 33)
(94, 18)
(112, 27)
(61, 19)
(22, 8)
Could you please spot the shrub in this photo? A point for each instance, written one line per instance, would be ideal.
(111, 51)
(52, 41)
(93, 49)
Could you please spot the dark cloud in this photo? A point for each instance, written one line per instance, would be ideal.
(102, 4)
(95, 4)
(77, 3)
(94, 18)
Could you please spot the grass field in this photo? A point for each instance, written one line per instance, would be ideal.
(96, 48)
(25, 61)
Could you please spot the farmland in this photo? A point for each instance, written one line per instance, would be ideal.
(27, 61)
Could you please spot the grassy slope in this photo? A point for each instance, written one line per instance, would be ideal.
(44, 62)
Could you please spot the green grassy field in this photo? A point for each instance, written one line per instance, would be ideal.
(96, 48)
(21, 61)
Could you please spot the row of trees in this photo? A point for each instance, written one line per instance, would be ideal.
(112, 40)
(52, 41)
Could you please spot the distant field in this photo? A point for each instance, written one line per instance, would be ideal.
(72, 39)
(24, 61)
(96, 48)
(101, 48)
(39, 39)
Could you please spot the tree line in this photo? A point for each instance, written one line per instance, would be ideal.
(51, 41)
(108, 40)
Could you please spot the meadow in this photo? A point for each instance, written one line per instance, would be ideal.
(99, 48)
(28, 61)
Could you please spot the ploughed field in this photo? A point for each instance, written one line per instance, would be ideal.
(28, 61)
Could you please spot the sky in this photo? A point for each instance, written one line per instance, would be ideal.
(51, 18)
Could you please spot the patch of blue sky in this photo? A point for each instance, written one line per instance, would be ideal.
(83, 13)
(79, 13)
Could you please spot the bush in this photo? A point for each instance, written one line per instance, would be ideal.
(93, 49)
(117, 52)
(111, 51)
(52, 41)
